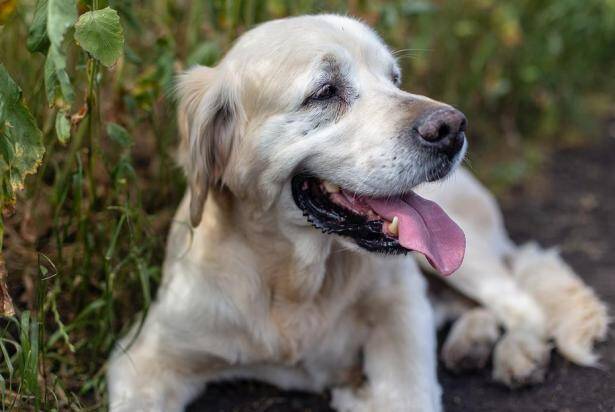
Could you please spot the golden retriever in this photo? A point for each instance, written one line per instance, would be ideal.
(309, 172)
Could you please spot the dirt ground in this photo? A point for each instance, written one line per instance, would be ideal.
(570, 204)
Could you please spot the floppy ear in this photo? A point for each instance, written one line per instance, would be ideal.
(207, 115)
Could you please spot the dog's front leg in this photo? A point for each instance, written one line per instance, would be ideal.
(145, 376)
(186, 341)
(400, 352)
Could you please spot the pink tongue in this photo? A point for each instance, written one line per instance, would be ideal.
(426, 228)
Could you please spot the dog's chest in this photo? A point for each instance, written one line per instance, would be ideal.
(298, 326)
(315, 339)
(326, 326)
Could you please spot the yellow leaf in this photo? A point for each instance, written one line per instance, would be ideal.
(7, 8)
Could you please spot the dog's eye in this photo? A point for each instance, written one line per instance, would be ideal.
(325, 92)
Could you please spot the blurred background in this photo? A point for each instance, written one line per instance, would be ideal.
(84, 242)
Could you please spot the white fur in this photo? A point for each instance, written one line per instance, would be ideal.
(531, 292)
(254, 291)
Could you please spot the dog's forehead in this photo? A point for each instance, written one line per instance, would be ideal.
(303, 41)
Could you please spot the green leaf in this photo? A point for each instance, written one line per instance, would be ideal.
(58, 87)
(118, 134)
(62, 127)
(22, 141)
(37, 32)
(61, 15)
(51, 20)
(100, 33)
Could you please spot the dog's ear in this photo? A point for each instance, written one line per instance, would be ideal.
(207, 117)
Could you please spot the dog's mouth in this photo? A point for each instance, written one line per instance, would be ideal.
(395, 224)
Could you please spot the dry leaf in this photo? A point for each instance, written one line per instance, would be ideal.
(76, 118)
(6, 303)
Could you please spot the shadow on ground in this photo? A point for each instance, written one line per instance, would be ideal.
(572, 204)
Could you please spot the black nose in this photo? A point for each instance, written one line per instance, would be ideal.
(443, 129)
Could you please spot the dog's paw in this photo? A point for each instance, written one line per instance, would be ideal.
(521, 358)
(470, 342)
(370, 399)
(347, 400)
(575, 315)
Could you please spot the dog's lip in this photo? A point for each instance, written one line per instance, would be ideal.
(403, 221)
(332, 218)
(352, 201)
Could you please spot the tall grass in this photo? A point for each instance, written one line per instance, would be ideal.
(84, 246)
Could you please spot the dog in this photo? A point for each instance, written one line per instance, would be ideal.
(295, 257)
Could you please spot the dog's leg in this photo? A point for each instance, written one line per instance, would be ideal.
(185, 342)
(522, 354)
(399, 355)
(151, 376)
(519, 359)
(576, 317)
(544, 299)
(475, 330)
(530, 290)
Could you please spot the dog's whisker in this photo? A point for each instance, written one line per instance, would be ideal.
(400, 51)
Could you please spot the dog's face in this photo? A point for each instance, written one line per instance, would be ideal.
(304, 118)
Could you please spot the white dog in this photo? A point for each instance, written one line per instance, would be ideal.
(302, 155)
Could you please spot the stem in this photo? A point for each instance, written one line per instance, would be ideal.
(93, 125)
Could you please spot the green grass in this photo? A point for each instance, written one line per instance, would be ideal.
(84, 244)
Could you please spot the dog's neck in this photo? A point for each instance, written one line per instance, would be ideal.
(293, 259)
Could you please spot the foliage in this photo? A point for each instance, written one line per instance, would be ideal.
(21, 142)
(84, 243)
(99, 32)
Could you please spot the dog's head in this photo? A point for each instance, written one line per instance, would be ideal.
(305, 119)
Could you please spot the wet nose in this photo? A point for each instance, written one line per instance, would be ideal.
(443, 129)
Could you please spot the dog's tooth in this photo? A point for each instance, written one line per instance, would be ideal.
(394, 226)
(330, 187)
